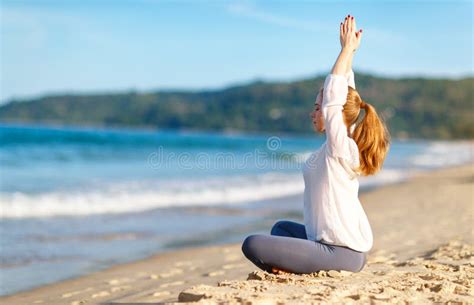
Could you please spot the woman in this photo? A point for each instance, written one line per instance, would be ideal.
(336, 234)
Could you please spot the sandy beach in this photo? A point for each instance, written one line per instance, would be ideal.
(422, 253)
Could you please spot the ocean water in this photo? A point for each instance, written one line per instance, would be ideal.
(77, 200)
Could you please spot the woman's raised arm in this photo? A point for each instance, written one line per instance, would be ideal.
(350, 41)
(335, 95)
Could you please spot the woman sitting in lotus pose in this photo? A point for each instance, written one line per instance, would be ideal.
(336, 234)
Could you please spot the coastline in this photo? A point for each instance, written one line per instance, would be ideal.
(430, 214)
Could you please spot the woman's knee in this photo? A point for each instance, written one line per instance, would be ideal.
(359, 262)
(351, 260)
(277, 226)
(249, 245)
(253, 250)
(364, 261)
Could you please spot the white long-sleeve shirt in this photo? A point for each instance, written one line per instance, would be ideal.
(333, 213)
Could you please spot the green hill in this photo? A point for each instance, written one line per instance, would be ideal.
(412, 107)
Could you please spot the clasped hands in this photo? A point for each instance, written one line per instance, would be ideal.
(349, 37)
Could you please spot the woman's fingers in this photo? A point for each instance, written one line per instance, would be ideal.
(349, 24)
(358, 35)
(348, 30)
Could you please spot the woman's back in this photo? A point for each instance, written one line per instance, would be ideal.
(332, 211)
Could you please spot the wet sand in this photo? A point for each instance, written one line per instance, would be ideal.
(423, 253)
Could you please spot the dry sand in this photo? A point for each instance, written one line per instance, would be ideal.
(422, 254)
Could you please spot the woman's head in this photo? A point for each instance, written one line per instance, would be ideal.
(316, 114)
(370, 133)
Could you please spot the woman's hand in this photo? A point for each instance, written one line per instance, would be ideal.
(349, 37)
(350, 41)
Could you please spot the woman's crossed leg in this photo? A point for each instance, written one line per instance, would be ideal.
(289, 249)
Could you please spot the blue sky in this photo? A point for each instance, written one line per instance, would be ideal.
(85, 46)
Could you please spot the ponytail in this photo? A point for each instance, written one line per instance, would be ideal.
(373, 141)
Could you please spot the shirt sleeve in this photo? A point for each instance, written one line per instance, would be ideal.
(334, 98)
(350, 79)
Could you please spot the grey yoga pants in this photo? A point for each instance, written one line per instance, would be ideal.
(288, 248)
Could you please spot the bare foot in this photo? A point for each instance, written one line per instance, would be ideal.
(279, 271)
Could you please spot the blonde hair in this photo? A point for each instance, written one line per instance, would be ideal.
(370, 134)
